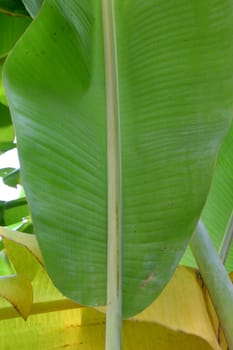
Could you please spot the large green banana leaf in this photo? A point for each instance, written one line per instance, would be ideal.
(173, 76)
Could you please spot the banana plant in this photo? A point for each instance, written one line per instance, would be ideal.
(119, 108)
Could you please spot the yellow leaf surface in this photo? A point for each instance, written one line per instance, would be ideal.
(26, 240)
(180, 313)
(179, 319)
(17, 290)
(24, 253)
(214, 318)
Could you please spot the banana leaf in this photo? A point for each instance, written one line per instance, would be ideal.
(13, 178)
(218, 209)
(15, 210)
(169, 323)
(12, 27)
(2, 92)
(30, 279)
(6, 129)
(32, 6)
(165, 74)
(13, 8)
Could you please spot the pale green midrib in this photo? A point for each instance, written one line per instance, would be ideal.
(114, 290)
(216, 279)
(227, 240)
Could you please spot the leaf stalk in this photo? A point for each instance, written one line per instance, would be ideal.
(227, 240)
(216, 279)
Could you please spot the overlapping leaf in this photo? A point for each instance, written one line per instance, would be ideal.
(170, 322)
(12, 28)
(219, 206)
(31, 279)
(18, 291)
(32, 6)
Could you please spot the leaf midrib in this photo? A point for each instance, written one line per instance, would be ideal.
(114, 290)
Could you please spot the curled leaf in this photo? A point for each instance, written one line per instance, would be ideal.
(18, 291)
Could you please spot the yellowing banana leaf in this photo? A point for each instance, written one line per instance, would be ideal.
(17, 290)
(5, 266)
(214, 319)
(171, 321)
(22, 249)
(148, 171)
(179, 319)
(22, 239)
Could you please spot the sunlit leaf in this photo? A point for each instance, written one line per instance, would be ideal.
(18, 291)
(172, 322)
(21, 241)
(5, 266)
(23, 251)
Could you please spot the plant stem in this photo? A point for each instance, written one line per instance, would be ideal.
(227, 239)
(216, 279)
(114, 289)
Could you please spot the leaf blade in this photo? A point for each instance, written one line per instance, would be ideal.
(18, 291)
(176, 53)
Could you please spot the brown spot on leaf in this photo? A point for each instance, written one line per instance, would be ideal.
(148, 279)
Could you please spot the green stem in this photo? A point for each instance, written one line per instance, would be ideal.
(216, 279)
(114, 289)
(227, 239)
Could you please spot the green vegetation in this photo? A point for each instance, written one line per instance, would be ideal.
(120, 110)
